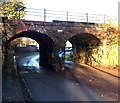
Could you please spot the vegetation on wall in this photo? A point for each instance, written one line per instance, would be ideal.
(9, 10)
(106, 53)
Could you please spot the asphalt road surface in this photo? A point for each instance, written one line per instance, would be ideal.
(70, 85)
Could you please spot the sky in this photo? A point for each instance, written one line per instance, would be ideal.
(107, 7)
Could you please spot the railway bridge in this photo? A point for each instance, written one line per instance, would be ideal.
(85, 36)
(52, 38)
(89, 42)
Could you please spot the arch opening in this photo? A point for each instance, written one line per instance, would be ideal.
(68, 51)
(82, 47)
(45, 45)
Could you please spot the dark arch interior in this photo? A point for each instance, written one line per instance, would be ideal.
(84, 42)
(45, 44)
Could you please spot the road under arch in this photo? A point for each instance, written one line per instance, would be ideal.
(45, 44)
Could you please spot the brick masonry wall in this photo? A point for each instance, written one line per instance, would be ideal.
(61, 32)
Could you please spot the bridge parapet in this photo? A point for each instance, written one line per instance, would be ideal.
(51, 28)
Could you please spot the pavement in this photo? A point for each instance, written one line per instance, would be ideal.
(52, 86)
(103, 83)
(110, 71)
(11, 88)
(77, 83)
(49, 85)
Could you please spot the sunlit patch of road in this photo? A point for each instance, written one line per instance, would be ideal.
(29, 62)
(104, 84)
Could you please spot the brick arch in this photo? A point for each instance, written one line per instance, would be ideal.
(83, 44)
(37, 36)
(83, 37)
(43, 40)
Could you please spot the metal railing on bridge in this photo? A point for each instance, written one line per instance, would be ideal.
(50, 15)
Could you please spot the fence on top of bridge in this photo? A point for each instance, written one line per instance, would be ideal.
(50, 15)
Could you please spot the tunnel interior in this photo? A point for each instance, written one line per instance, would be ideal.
(83, 43)
(45, 44)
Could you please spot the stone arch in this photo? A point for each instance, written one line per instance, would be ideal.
(45, 44)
